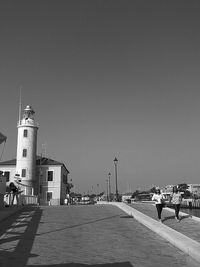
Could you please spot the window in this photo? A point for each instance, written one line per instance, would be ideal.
(49, 196)
(7, 175)
(23, 172)
(24, 153)
(50, 176)
(25, 133)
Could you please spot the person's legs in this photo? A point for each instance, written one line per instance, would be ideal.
(17, 199)
(177, 208)
(12, 198)
(159, 210)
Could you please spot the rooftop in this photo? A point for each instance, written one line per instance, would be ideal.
(40, 161)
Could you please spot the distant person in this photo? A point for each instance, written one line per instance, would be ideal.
(176, 199)
(15, 193)
(159, 200)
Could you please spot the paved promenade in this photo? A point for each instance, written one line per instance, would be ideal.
(83, 236)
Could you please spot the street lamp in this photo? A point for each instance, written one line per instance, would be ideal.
(109, 174)
(107, 188)
(97, 196)
(116, 162)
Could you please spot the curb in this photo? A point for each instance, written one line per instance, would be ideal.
(182, 242)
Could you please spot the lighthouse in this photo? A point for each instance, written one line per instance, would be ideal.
(26, 152)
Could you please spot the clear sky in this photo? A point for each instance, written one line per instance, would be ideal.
(106, 79)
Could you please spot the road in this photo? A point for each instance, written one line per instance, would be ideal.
(82, 236)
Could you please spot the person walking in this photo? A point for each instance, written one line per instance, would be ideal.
(14, 190)
(159, 199)
(176, 199)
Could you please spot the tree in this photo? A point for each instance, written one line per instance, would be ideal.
(101, 194)
(69, 186)
(135, 194)
(73, 195)
(153, 190)
(184, 188)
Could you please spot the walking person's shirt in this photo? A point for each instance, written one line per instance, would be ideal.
(158, 198)
(176, 198)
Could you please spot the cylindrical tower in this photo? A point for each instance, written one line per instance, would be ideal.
(26, 152)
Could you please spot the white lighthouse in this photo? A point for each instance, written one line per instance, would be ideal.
(26, 152)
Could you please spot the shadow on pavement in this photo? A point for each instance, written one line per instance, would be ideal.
(168, 218)
(173, 217)
(78, 225)
(115, 264)
(184, 217)
(17, 234)
(126, 216)
(16, 243)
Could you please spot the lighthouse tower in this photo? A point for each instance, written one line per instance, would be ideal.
(26, 152)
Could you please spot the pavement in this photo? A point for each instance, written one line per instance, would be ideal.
(5, 212)
(184, 235)
(83, 236)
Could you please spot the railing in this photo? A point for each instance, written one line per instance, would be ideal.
(191, 203)
(29, 122)
(29, 200)
(18, 199)
(188, 203)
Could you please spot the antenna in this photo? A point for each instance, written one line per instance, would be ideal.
(44, 150)
(20, 104)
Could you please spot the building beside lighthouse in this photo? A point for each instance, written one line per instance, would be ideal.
(40, 177)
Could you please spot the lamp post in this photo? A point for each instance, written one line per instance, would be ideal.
(115, 163)
(98, 192)
(109, 186)
(107, 189)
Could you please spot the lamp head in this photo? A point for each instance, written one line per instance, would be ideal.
(115, 161)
